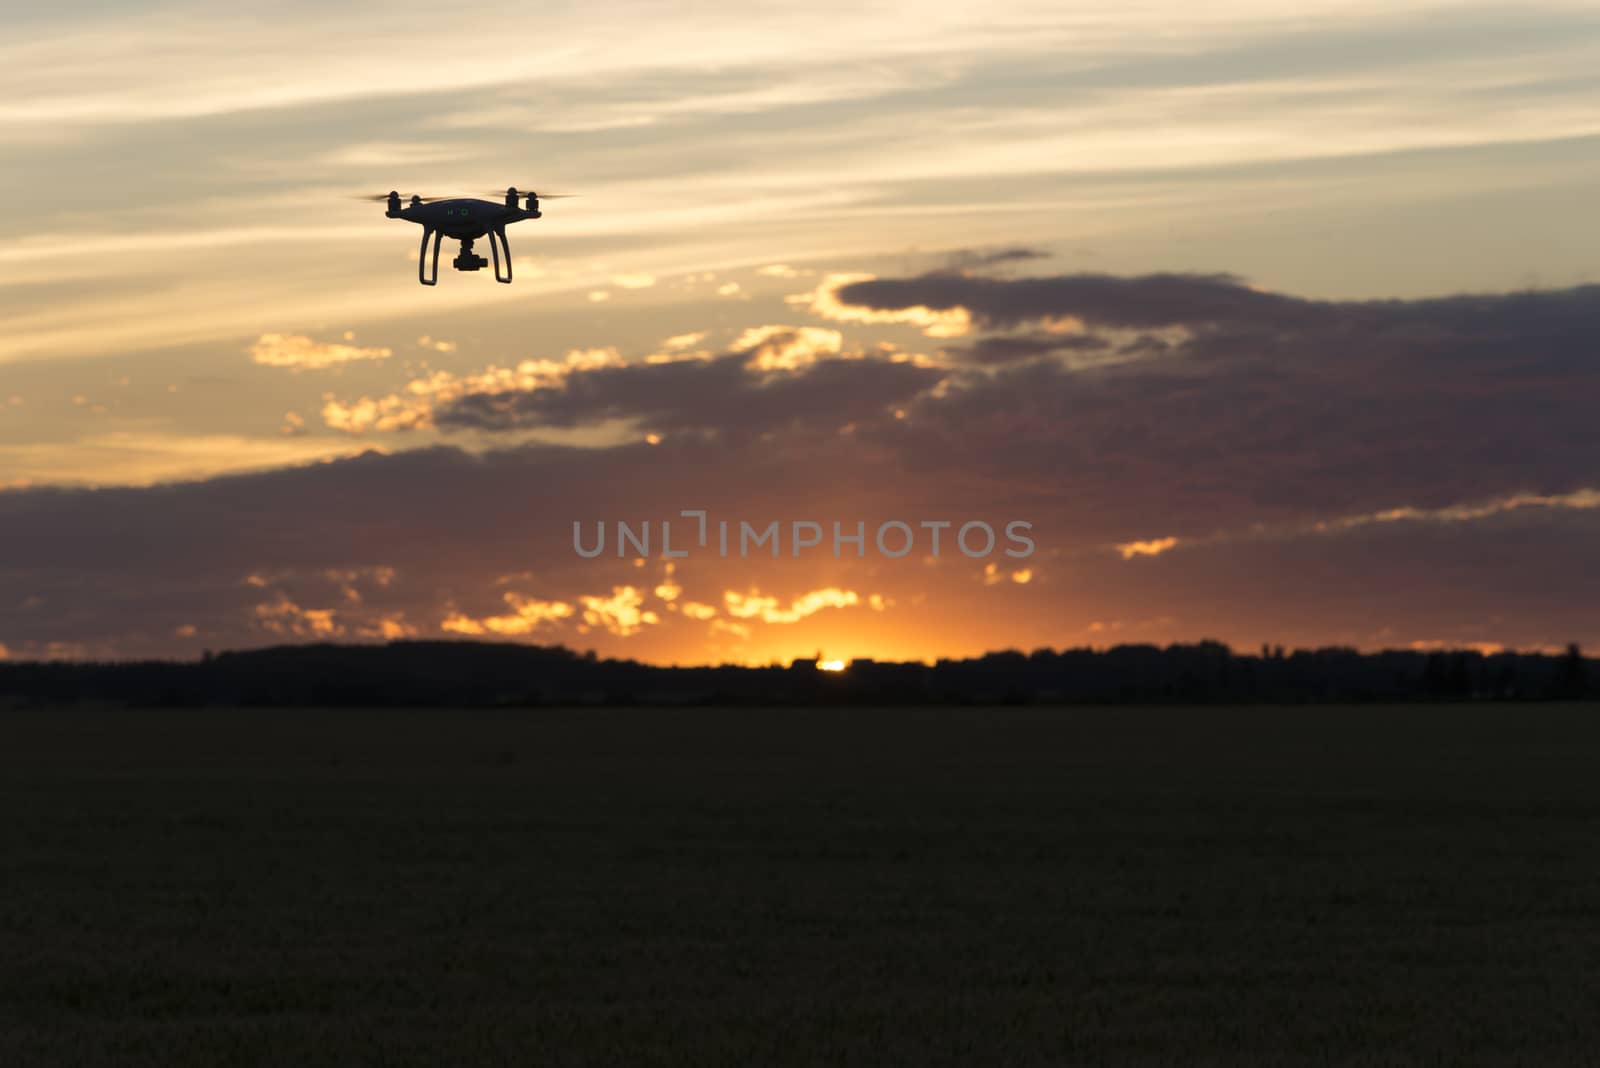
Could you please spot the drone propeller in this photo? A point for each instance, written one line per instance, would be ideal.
(530, 193)
(381, 197)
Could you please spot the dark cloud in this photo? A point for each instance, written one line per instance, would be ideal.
(1097, 299)
(124, 569)
(1265, 405)
(255, 559)
(1222, 304)
(727, 395)
(1015, 348)
(1250, 418)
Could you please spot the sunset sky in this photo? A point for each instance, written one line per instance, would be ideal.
(1277, 323)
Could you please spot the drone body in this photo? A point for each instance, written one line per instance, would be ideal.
(464, 219)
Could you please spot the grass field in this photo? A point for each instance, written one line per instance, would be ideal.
(1017, 886)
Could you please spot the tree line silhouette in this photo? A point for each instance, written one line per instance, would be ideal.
(487, 674)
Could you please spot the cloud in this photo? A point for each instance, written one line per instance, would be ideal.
(619, 614)
(527, 615)
(830, 301)
(1267, 407)
(680, 347)
(787, 348)
(1214, 127)
(727, 395)
(668, 589)
(381, 413)
(141, 458)
(1152, 547)
(284, 618)
(696, 610)
(301, 353)
(448, 525)
(993, 575)
(413, 407)
(1461, 512)
(1299, 470)
(1008, 348)
(768, 609)
(1095, 299)
(683, 341)
(1583, 499)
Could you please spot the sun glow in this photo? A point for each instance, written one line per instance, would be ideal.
(831, 665)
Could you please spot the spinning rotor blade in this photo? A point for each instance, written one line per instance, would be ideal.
(537, 196)
(381, 197)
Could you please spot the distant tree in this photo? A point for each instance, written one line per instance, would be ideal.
(465, 674)
(1570, 674)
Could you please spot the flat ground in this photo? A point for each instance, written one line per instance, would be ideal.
(1017, 886)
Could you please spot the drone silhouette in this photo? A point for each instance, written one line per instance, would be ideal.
(464, 219)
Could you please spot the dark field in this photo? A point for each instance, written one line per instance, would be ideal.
(1018, 886)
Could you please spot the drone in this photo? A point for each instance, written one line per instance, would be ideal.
(465, 219)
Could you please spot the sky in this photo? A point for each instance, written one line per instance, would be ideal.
(1272, 323)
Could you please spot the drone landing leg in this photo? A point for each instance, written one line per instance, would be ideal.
(422, 257)
(495, 247)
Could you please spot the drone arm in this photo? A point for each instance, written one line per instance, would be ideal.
(495, 248)
(422, 257)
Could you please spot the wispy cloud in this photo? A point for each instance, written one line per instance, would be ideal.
(300, 353)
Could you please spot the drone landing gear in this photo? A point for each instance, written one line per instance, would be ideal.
(466, 259)
(422, 257)
(499, 247)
